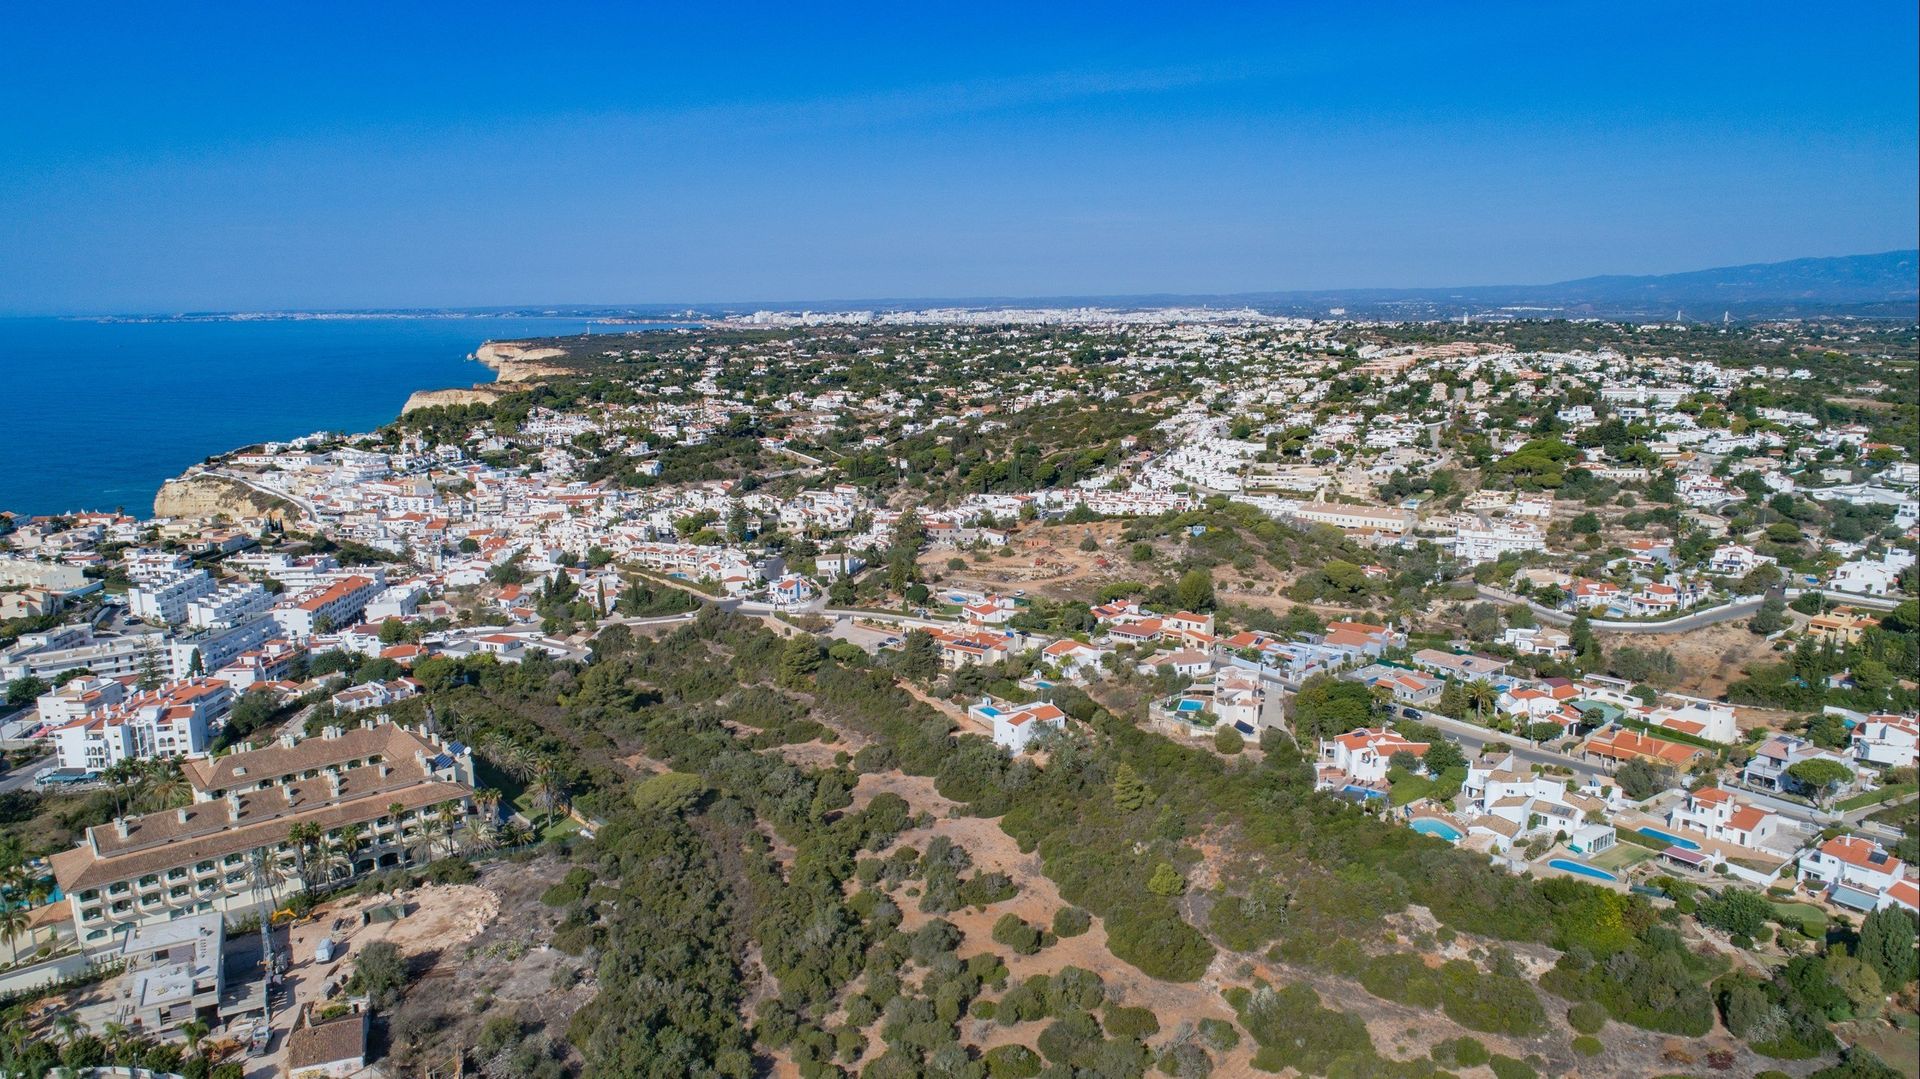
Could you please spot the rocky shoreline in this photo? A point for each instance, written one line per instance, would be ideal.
(512, 362)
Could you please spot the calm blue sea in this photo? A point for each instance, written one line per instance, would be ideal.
(96, 415)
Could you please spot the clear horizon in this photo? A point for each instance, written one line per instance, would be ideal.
(230, 158)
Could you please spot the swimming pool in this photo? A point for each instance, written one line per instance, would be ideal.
(1365, 792)
(1190, 705)
(1434, 826)
(1669, 838)
(1582, 869)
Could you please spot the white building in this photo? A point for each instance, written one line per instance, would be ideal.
(1016, 726)
(1720, 816)
(1887, 741)
(165, 600)
(175, 720)
(1871, 577)
(335, 605)
(228, 605)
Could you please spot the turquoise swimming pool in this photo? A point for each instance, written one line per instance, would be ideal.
(1669, 838)
(1582, 869)
(1434, 826)
(1188, 704)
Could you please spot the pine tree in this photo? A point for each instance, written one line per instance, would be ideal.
(798, 660)
(1130, 792)
(1886, 944)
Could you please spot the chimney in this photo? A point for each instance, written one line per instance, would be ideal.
(385, 771)
(289, 739)
(292, 796)
(181, 814)
(333, 783)
(330, 732)
(233, 804)
(120, 827)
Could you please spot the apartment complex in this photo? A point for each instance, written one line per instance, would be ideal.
(174, 720)
(387, 779)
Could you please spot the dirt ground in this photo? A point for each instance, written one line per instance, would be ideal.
(1044, 560)
(494, 961)
(1709, 659)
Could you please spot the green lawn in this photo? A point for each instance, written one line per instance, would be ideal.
(1884, 794)
(1811, 919)
(1621, 856)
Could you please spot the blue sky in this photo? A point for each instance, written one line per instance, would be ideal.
(201, 157)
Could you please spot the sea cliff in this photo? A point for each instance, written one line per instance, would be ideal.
(511, 361)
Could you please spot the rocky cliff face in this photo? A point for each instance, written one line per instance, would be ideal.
(477, 395)
(513, 361)
(214, 496)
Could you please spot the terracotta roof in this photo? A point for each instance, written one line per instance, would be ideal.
(332, 1042)
(251, 767)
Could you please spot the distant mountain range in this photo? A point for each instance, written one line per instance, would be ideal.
(1886, 285)
(1883, 286)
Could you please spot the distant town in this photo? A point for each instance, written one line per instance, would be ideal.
(1621, 614)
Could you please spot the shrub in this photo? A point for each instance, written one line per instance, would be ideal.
(571, 889)
(1219, 1035)
(1071, 922)
(1138, 1024)
(1588, 1046)
(1013, 931)
(1460, 1053)
(1495, 1002)
(451, 871)
(1068, 1036)
(1510, 1068)
(1228, 741)
(1587, 1017)
(1012, 1062)
(984, 888)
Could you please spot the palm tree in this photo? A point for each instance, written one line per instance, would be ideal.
(446, 815)
(351, 841)
(394, 810)
(549, 787)
(69, 1026)
(14, 919)
(195, 1032)
(487, 801)
(163, 786)
(1481, 696)
(306, 837)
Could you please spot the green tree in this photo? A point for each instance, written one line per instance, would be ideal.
(1738, 912)
(919, 655)
(1130, 792)
(1819, 777)
(1166, 880)
(1887, 944)
(1227, 740)
(380, 973)
(23, 690)
(668, 792)
(798, 660)
(1195, 590)
(1770, 618)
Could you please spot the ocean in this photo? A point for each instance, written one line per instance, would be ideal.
(97, 415)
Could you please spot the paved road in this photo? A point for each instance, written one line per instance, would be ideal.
(305, 506)
(1726, 612)
(22, 774)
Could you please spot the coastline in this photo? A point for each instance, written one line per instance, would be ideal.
(201, 492)
(512, 363)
